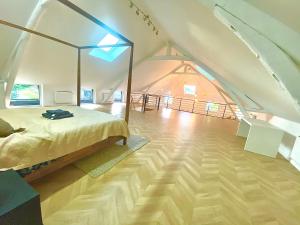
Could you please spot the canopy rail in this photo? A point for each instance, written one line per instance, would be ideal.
(85, 14)
(95, 20)
(6, 23)
(105, 46)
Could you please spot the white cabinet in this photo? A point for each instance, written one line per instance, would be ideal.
(262, 137)
(295, 155)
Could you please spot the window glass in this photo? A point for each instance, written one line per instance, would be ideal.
(108, 54)
(25, 94)
(212, 107)
(87, 96)
(118, 96)
(189, 89)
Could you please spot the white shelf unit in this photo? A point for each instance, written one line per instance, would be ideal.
(262, 137)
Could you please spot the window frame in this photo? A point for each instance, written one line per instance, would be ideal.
(108, 55)
(87, 101)
(189, 86)
(26, 102)
(118, 99)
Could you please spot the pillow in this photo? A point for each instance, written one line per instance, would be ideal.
(5, 128)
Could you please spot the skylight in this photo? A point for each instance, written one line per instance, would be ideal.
(108, 40)
(110, 53)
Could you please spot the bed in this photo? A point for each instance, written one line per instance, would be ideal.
(45, 140)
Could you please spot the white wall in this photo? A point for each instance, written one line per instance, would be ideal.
(48, 64)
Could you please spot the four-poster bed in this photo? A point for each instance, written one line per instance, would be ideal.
(70, 157)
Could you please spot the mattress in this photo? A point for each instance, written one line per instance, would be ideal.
(45, 140)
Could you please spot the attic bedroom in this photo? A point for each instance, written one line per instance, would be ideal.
(140, 112)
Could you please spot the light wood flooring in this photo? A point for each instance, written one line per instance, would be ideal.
(194, 171)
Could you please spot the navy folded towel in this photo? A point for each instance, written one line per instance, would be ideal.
(57, 114)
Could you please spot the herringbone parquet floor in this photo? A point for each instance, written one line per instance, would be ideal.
(194, 171)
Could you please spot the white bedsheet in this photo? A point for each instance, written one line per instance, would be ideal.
(46, 139)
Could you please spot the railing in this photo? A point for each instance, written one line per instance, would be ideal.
(146, 102)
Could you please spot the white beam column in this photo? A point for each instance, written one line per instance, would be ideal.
(10, 69)
(275, 60)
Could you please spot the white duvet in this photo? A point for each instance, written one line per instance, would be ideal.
(45, 139)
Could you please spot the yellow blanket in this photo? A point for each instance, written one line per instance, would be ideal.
(45, 139)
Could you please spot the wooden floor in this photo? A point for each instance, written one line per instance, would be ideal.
(194, 171)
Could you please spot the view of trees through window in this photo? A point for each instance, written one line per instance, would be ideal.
(118, 96)
(87, 96)
(212, 107)
(189, 89)
(25, 94)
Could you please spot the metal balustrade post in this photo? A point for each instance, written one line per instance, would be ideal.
(224, 111)
(168, 102)
(158, 103)
(180, 104)
(193, 106)
(144, 103)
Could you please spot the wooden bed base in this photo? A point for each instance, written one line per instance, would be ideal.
(72, 157)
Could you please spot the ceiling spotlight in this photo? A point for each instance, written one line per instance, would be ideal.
(130, 4)
(232, 28)
(146, 17)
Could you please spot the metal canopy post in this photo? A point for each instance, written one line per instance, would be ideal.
(129, 84)
(129, 88)
(78, 77)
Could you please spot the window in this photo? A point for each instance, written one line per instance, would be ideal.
(25, 94)
(212, 107)
(118, 96)
(111, 53)
(189, 89)
(87, 96)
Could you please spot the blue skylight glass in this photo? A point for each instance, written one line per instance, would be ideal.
(205, 73)
(111, 53)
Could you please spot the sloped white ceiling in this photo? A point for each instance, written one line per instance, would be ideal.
(193, 26)
(286, 11)
(18, 12)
